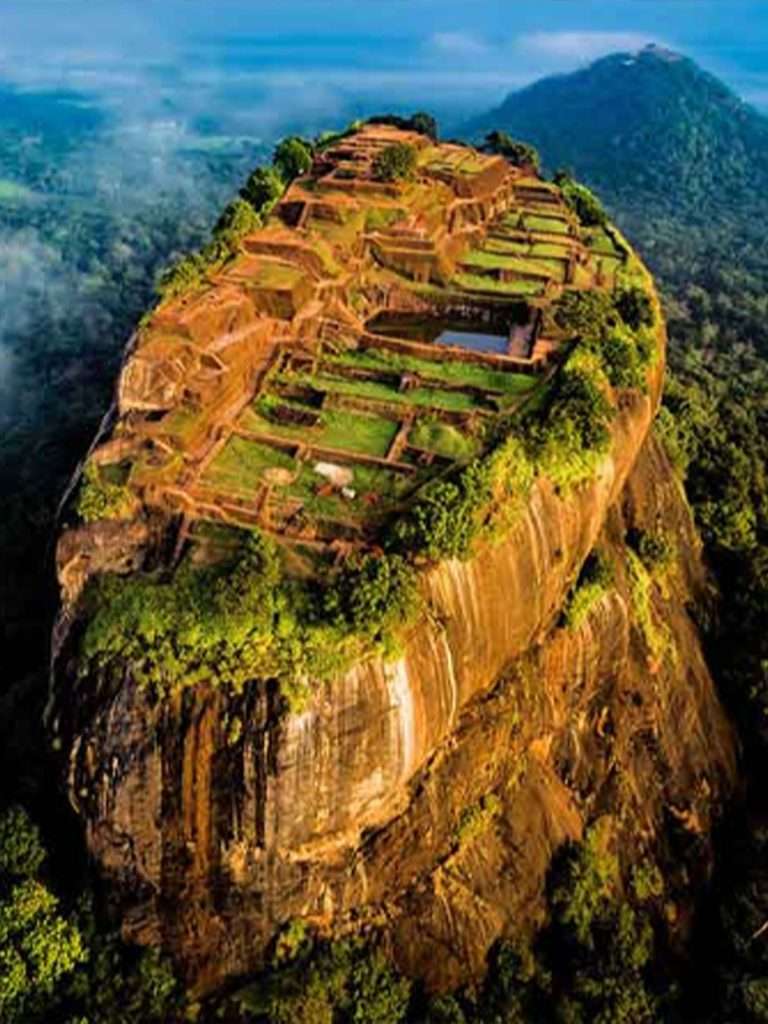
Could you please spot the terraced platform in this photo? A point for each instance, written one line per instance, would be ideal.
(366, 339)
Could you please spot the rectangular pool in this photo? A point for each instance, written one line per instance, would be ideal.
(474, 340)
(479, 338)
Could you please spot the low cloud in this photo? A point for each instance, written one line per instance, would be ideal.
(458, 44)
(29, 272)
(577, 46)
(6, 371)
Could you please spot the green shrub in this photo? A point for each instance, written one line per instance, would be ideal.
(21, 850)
(238, 220)
(647, 881)
(100, 499)
(477, 819)
(182, 276)
(581, 200)
(445, 1010)
(397, 162)
(568, 434)
(121, 984)
(245, 214)
(586, 314)
(441, 524)
(373, 596)
(420, 122)
(635, 308)
(293, 941)
(655, 548)
(587, 877)
(521, 154)
(292, 157)
(244, 621)
(450, 514)
(656, 636)
(622, 362)
(263, 189)
(754, 995)
(594, 580)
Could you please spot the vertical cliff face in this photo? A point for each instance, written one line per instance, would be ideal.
(352, 810)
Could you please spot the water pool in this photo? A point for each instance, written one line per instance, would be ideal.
(477, 337)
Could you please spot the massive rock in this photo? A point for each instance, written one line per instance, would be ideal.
(215, 819)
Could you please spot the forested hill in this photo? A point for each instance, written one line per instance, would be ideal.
(682, 165)
(650, 122)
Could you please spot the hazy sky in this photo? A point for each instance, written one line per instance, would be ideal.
(252, 61)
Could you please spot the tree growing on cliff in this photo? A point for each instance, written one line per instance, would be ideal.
(521, 154)
(263, 189)
(238, 219)
(581, 200)
(292, 157)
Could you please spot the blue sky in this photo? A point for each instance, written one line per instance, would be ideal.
(251, 63)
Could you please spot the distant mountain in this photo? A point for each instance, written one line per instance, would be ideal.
(649, 123)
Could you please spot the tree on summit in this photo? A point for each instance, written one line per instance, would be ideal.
(521, 154)
(581, 200)
(396, 162)
(292, 157)
(263, 188)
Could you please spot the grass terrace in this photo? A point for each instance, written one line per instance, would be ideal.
(483, 284)
(444, 439)
(458, 161)
(450, 371)
(545, 225)
(335, 428)
(486, 259)
(240, 465)
(455, 401)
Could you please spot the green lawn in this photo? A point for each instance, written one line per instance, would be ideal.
(304, 489)
(610, 264)
(256, 419)
(241, 464)
(477, 283)
(517, 264)
(379, 218)
(371, 435)
(507, 246)
(383, 393)
(277, 275)
(550, 225)
(551, 250)
(337, 428)
(453, 371)
(444, 439)
(600, 242)
(537, 183)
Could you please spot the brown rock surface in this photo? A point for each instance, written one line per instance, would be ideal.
(350, 810)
